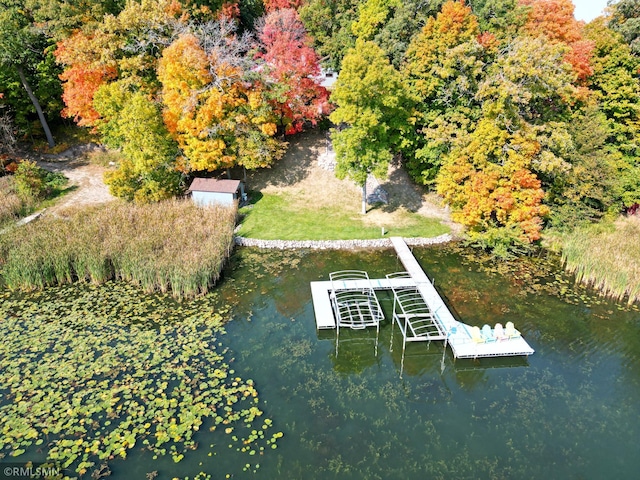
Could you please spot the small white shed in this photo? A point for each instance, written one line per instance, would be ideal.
(210, 191)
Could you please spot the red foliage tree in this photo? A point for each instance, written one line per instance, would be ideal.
(271, 5)
(293, 65)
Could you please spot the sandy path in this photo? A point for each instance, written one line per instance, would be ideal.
(88, 179)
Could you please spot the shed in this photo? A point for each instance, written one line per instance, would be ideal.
(210, 191)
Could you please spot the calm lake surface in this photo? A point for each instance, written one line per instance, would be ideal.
(572, 410)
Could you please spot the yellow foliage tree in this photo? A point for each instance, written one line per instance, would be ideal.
(489, 185)
(218, 118)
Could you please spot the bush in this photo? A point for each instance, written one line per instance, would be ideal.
(30, 181)
(35, 183)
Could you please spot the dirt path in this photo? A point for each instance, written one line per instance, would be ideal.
(86, 177)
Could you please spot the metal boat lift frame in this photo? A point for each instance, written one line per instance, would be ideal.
(354, 307)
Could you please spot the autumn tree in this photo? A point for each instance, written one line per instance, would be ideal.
(375, 108)
(273, 5)
(554, 19)
(124, 46)
(218, 118)
(488, 183)
(495, 178)
(132, 122)
(444, 64)
(292, 66)
(58, 20)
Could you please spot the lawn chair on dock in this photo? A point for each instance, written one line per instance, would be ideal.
(510, 331)
(487, 334)
(476, 336)
(498, 332)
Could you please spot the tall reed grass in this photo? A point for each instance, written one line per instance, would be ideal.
(172, 246)
(10, 203)
(606, 257)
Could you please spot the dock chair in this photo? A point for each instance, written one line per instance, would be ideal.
(476, 336)
(498, 332)
(487, 334)
(510, 331)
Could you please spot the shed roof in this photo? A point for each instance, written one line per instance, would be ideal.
(214, 185)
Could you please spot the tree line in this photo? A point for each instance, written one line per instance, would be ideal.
(519, 116)
(178, 86)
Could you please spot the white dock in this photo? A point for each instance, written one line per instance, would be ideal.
(458, 333)
(322, 304)
(459, 336)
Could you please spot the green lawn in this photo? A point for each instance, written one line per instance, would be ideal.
(273, 217)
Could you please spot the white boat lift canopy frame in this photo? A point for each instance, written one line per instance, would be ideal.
(355, 307)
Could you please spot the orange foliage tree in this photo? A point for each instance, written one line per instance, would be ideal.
(489, 185)
(272, 5)
(84, 75)
(218, 118)
(554, 19)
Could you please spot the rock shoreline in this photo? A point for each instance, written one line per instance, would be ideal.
(337, 244)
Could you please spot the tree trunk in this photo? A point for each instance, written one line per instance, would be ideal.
(364, 198)
(36, 104)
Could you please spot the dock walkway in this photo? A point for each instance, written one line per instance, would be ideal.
(458, 334)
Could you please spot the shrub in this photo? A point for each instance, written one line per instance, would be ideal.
(30, 181)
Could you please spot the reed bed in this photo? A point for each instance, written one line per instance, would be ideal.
(606, 257)
(173, 246)
(10, 203)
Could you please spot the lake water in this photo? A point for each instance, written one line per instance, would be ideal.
(572, 410)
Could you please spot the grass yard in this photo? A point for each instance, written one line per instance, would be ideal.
(277, 217)
(298, 199)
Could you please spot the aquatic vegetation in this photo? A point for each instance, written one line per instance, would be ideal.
(606, 257)
(173, 246)
(89, 373)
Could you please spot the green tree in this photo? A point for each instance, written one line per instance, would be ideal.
(625, 19)
(372, 101)
(501, 18)
(133, 123)
(22, 49)
(329, 24)
(593, 185)
(391, 24)
(444, 65)
(616, 87)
